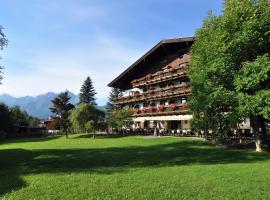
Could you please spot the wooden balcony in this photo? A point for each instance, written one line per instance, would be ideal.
(159, 94)
(161, 110)
(162, 76)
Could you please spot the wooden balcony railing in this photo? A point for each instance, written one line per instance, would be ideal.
(161, 76)
(158, 94)
(171, 109)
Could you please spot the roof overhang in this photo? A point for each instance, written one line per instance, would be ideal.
(163, 48)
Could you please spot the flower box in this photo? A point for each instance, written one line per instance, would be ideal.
(161, 108)
(173, 106)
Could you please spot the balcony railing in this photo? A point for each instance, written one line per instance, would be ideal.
(162, 76)
(158, 94)
(171, 109)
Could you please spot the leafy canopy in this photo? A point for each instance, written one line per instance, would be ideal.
(230, 66)
(122, 118)
(86, 118)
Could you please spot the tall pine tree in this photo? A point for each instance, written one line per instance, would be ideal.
(87, 92)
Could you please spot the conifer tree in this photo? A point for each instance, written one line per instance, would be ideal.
(114, 94)
(110, 107)
(87, 92)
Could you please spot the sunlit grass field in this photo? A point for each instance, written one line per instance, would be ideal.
(129, 168)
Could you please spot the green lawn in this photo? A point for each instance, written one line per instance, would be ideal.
(130, 168)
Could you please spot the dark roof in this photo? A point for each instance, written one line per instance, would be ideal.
(163, 48)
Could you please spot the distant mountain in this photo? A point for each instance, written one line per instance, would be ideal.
(35, 106)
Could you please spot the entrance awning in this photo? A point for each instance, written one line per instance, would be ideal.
(163, 118)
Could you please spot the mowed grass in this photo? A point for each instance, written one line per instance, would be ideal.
(130, 168)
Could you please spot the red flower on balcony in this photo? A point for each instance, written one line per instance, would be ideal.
(159, 73)
(151, 91)
(161, 108)
(151, 108)
(173, 106)
(145, 109)
(172, 86)
(137, 111)
(149, 76)
(172, 69)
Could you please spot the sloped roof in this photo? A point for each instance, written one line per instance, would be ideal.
(163, 48)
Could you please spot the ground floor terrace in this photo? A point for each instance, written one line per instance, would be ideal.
(164, 125)
(180, 125)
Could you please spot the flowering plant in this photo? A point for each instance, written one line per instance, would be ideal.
(173, 106)
(161, 107)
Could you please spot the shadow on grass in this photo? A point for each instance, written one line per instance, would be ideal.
(100, 136)
(17, 162)
(29, 139)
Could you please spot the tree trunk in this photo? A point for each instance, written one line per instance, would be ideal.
(258, 142)
(258, 124)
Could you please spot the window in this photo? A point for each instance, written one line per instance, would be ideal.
(183, 100)
(145, 104)
(162, 102)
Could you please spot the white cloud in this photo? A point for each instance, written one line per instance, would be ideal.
(67, 69)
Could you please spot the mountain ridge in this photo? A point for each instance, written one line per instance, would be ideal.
(37, 106)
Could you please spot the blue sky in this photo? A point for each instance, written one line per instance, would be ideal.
(55, 44)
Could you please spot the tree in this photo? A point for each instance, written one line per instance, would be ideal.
(110, 106)
(227, 49)
(19, 117)
(122, 118)
(60, 108)
(3, 43)
(87, 92)
(5, 118)
(87, 118)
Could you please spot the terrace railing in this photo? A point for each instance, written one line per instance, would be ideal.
(158, 94)
(171, 109)
(161, 76)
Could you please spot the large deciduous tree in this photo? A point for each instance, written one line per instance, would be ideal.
(87, 92)
(230, 68)
(3, 43)
(60, 108)
(122, 118)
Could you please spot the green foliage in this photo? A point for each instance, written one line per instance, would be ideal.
(122, 118)
(19, 117)
(86, 118)
(33, 121)
(3, 43)
(252, 83)
(230, 62)
(5, 118)
(87, 92)
(13, 116)
(60, 108)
